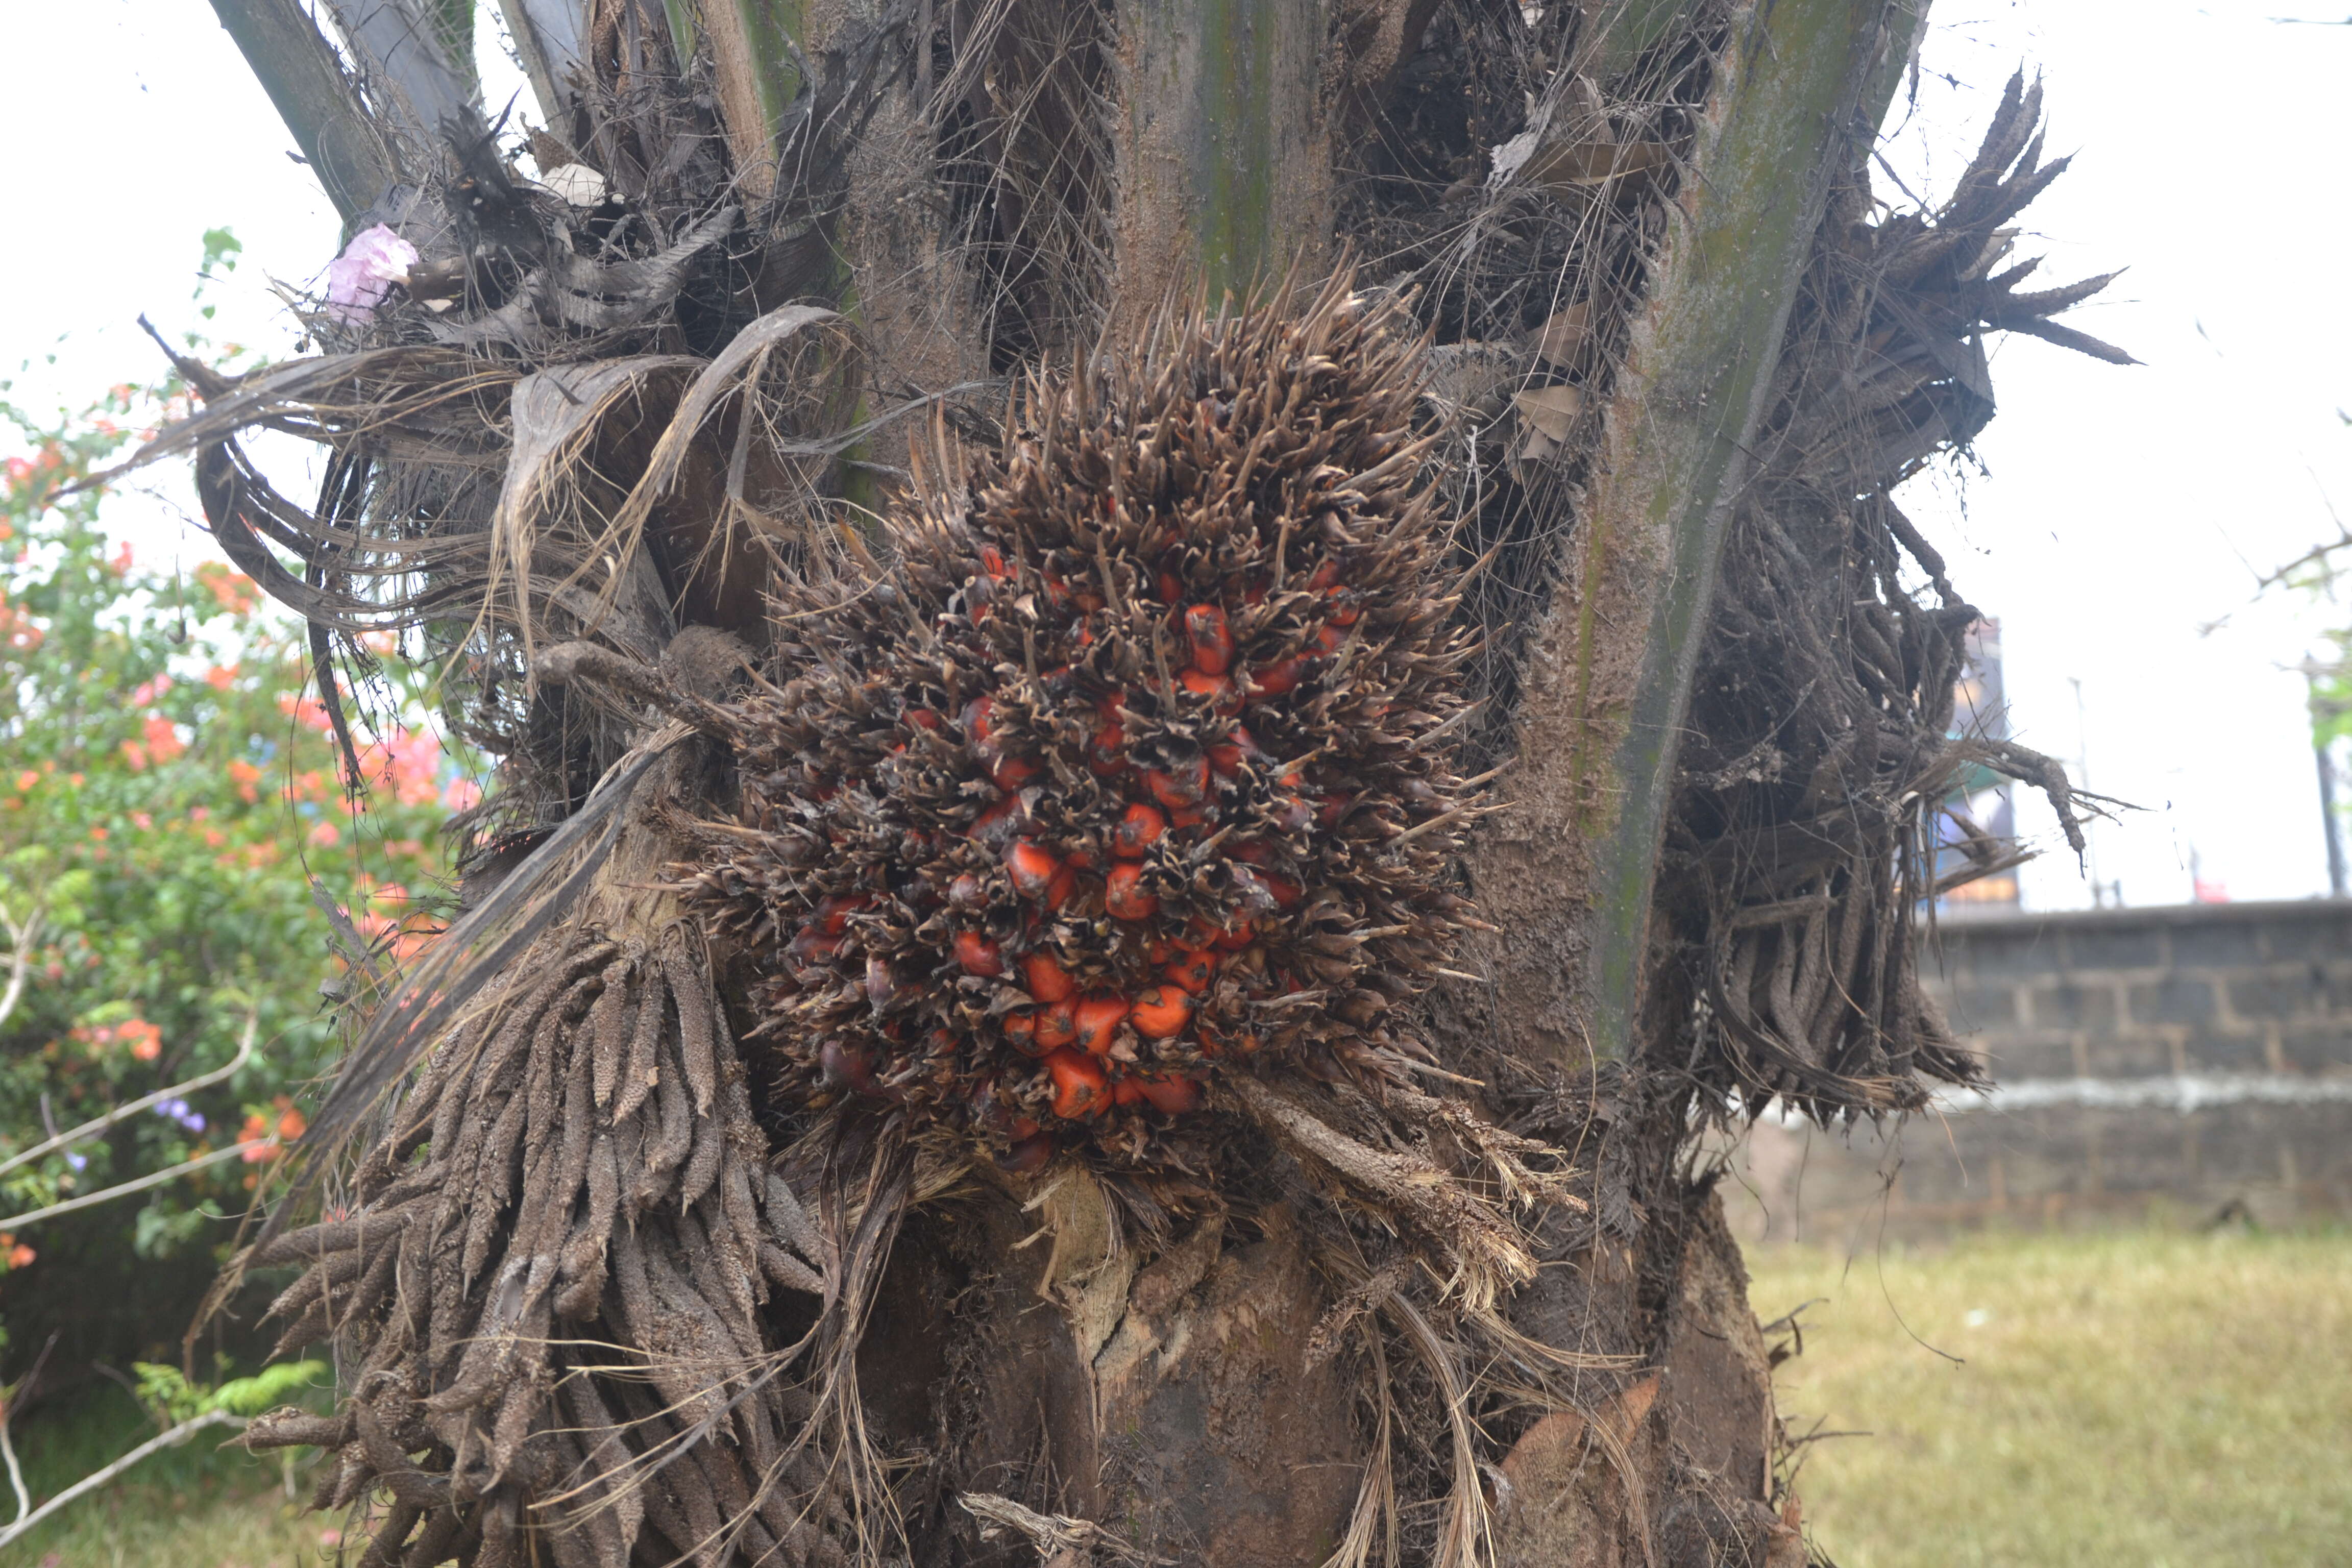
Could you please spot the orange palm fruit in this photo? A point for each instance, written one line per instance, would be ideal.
(1048, 981)
(1137, 831)
(1020, 1031)
(1125, 1091)
(1080, 1088)
(1124, 895)
(1191, 970)
(1096, 1018)
(1180, 786)
(1031, 866)
(1276, 679)
(1057, 1026)
(1161, 1012)
(1212, 639)
(1237, 748)
(975, 955)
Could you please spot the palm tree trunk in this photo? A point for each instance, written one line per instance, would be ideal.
(1631, 227)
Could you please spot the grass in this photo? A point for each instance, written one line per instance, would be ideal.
(192, 1507)
(2139, 1398)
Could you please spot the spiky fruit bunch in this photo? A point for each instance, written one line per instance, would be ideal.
(1130, 771)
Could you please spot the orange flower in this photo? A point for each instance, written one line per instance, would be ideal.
(221, 677)
(292, 1123)
(325, 835)
(245, 776)
(163, 742)
(146, 1041)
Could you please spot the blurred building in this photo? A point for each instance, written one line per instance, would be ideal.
(1984, 799)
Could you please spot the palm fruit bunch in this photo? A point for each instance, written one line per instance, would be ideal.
(1130, 770)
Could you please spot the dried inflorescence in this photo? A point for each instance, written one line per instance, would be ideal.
(551, 1289)
(1132, 769)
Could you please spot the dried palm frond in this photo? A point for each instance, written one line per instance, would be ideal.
(1822, 741)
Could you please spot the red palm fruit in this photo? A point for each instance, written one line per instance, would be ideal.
(1251, 852)
(1019, 1127)
(1171, 590)
(1276, 679)
(975, 955)
(975, 718)
(1215, 688)
(1062, 889)
(999, 818)
(1011, 773)
(922, 719)
(1290, 814)
(1250, 892)
(964, 892)
(1138, 829)
(1181, 785)
(1324, 578)
(1029, 1154)
(1125, 1091)
(1237, 748)
(813, 946)
(1057, 1026)
(1265, 889)
(1080, 1089)
(991, 561)
(1124, 895)
(1097, 1018)
(1161, 1012)
(833, 913)
(845, 1066)
(1108, 752)
(1192, 970)
(1031, 866)
(1330, 808)
(1169, 1093)
(1236, 938)
(1212, 639)
(881, 984)
(1187, 816)
(1021, 1032)
(1048, 981)
(1327, 639)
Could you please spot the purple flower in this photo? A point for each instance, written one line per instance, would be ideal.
(76, 1161)
(361, 278)
(177, 1110)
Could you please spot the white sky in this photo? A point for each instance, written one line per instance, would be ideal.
(2121, 511)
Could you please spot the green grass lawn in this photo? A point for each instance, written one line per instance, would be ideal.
(2142, 1398)
(196, 1505)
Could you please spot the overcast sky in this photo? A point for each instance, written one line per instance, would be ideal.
(2118, 512)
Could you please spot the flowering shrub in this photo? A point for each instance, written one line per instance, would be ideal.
(170, 788)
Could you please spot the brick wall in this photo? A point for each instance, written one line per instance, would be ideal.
(2176, 1061)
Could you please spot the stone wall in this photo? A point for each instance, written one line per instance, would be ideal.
(2188, 1061)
